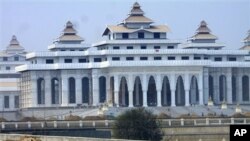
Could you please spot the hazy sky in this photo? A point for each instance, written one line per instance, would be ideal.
(36, 23)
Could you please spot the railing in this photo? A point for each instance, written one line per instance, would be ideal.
(109, 123)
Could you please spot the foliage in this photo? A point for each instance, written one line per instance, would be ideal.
(164, 116)
(2, 119)
(30, 119)
(94, 118)
(73, 117)
(138, 124)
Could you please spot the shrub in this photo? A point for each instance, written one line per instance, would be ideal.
(138, 124)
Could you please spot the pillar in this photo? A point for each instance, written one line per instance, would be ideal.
(158, 89)
(200, 87)
(187, 103)
(116, 90)
(48, 95)
(95, 89)
(130, 94)
(172, 87)
(34, 93)
(130, 91)
(78, 90)
(173, 97)
(216, 88)
(205, 85)
(108, 94)
(229, 87)
(65, 91)
(144, 90)
(187, 89)
(239, 88)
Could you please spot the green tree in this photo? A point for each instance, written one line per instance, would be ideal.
(138, 124)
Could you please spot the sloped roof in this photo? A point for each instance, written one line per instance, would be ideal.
(138, 19)
(203, 32)
(245, 48)
(123, 29)
(69, 34)
(14, 45)
(247, 39)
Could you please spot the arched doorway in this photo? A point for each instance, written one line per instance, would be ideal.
(123, 93)
(222, 88)
(137, 93)
(102, 89)
(194, 91)
(55, 96)
(151, 93)
(165, 92)
(211, 87)
(85, 90)
(40, 91)
(180, 92)
(245, 88)
(72, 90)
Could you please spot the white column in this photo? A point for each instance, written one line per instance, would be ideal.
(172, 87)
(187, 97)
(201, 100)
(1, 102)
(65, 87)
(158, 89)
(33, 93)
(116, 90)
(12, 101)
(95, 89)
(144, 90)
(78, 90)
(216, 93)
(108, 97)
(130, 91)
(229, 87)
(48, 99)
(130, 94)
(206, 85)
(187, 88)
(239, 87)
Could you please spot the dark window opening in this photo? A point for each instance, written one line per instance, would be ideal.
(129, 58)
(16, 58)
(217, 59)
(49, 61)
(197, 58)
(82, 60)
(232, 59)
(140, 35)
(116, 47)
(129, 47)
(143, 58)
(184, 58)
(143, 47)
(116, 58)
(97, 59)
(171, 58)
(157, 58)
(125, 35)
(170, 47)
(5, 58)
(67, 60)
(157, 35)
(157, 47)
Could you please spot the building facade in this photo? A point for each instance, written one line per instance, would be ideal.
(13, 56)
(136, 65)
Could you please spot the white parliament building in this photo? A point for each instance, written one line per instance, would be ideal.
(136, 65)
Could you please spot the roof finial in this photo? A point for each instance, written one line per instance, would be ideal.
(14, 41)
(136, 10)
(203, 28)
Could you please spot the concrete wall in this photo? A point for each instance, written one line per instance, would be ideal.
(18, 137)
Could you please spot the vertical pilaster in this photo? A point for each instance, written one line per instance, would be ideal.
(34, 101)
(201, 100)
(130, 90)
(144, 90)
(95, 89)
(65, 97)
(205, 85)
(108, 95)
(158, 89)
(239, 87)
(216, 88)
(187, 88)
(187, 103)
(78, 90)
(229, 86)
(48, 99)
(116, 90)
(172, 87)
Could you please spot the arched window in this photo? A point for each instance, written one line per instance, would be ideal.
(85, 90)
(152, 94)
(223, 87)
(194, 91)
(137, 93)
(123, 93)
(72, 90)
(55, 91)
(245, 88)
(180, 92)
(40, 91)
(102, 89)
(166, 92)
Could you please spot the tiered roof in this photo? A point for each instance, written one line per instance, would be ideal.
(69, 34)
(136, 16)
(203, 32)
(246, 42)
(14, 46)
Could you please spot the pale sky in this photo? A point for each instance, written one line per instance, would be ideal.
(36, 23)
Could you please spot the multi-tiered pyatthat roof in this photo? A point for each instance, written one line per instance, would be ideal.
(203, 34)
(246, 42)
(14, 46)
(135, 22)
(69, 35)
